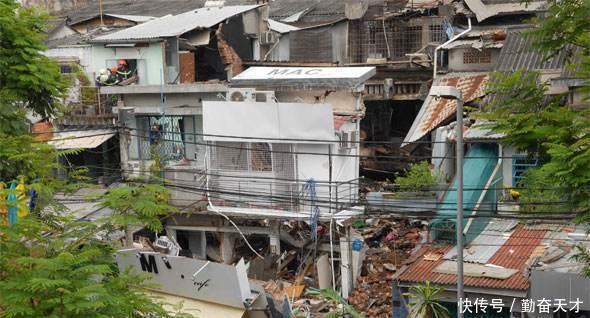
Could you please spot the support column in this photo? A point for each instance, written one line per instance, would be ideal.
(226, 246)
(345, 264)
(275, 241)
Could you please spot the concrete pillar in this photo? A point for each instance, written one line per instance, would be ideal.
(345, 265)
(226, 246)
(275, 241)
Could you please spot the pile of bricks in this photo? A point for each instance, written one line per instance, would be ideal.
(391, 243)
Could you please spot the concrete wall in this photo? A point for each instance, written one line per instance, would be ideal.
(281, 51)
(82, 52)
(456, 61)
(342, 101)
(152, 57)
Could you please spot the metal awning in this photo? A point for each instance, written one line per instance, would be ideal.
(86, 139)
(436, 111)
(304, 77)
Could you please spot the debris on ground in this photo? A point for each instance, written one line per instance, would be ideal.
(391, 243)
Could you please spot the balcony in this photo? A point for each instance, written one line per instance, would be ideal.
(279, 197)
(202, 87)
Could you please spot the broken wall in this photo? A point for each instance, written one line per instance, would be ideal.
(326, 44)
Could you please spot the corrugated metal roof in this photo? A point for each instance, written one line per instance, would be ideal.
(175, 25)
(518, 53)
(86, 139)
(515, 254)
(486, 244)
(484, 9)
(134, 18)
(435, 111)
(479, 131)
(281, 27)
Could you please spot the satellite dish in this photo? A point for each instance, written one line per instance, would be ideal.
(355, 9)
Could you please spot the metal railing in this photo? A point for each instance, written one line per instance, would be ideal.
(263, 191)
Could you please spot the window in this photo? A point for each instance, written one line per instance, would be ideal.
(163, 134)
(477, 57)
(242, 156)
(436, 33)
(520, 164)
(65, 69)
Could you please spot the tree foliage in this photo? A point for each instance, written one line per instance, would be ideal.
(62, 269)
(138, 204)
(50, 265)
(27, 77)
(424, 302)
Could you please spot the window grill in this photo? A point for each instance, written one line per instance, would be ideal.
(520, 165)
(437, 33)
(241, 156)
(474, 56)
(162, 136)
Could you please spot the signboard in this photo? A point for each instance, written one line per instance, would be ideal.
(192, 278)
(343, 77)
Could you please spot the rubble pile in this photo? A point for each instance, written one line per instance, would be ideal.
(390, 242)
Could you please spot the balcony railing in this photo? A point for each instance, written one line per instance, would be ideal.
(267, 192)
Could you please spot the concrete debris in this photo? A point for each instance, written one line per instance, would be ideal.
(391, 243)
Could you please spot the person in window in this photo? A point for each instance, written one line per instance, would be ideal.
(123, 71)
(155, 134)
(107, 77)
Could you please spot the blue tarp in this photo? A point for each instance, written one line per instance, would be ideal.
(480, 161)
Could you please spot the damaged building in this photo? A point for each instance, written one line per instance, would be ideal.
(265, 119)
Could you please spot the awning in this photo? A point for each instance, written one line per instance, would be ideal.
(435, 111)
(198, 308)
(272, 122)
(304, 77)
(85, 139)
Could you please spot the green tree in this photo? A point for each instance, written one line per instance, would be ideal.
(27, 77)
(50, 265)
(334, 296)
(424, 302)
(69, 273)
(138, 204)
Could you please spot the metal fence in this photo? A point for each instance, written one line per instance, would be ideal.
(394, 38)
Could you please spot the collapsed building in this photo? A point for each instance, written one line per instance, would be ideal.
(264, 117)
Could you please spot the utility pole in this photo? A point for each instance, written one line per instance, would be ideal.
(452, 92)
(100, 11)
(459, 150)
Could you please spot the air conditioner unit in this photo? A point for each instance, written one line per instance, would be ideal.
(240, 95)
(267, 38)
(250, 95)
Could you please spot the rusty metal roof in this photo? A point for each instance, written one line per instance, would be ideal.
(515, 253)
(435, 111)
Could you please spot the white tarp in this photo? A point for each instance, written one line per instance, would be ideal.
(289, 122)
(86, 139)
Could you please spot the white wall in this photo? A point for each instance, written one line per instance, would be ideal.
(82, 52)
(152, 57)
